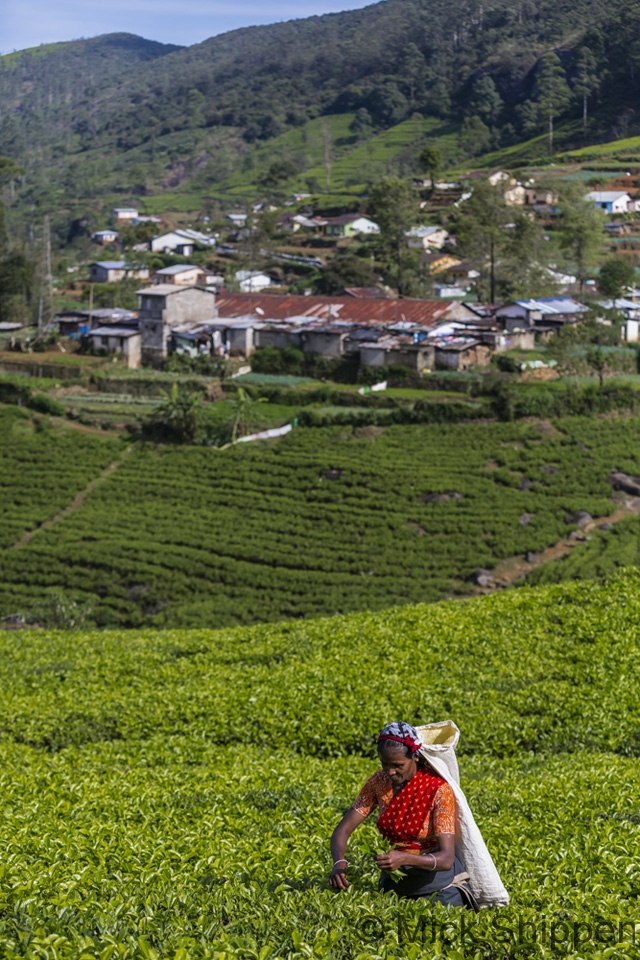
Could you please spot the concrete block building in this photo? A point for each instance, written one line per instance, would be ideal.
(165, 306)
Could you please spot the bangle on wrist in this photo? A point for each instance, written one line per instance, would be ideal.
(341, 860)
(435, 862)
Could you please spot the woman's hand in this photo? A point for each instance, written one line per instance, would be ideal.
(338, 877)
(391, 860)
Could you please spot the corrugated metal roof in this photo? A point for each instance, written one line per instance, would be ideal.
(175, 270)
(114, 332)
(270, 306)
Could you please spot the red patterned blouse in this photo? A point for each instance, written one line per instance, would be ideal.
(440, 818)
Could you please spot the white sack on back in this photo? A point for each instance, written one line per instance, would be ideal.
(439, 750)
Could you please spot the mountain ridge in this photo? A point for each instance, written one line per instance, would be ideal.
(101, 118)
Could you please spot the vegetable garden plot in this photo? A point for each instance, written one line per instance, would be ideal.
(326, 521)
(153, 807)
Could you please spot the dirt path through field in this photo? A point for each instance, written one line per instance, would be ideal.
(77, 501)
(516, 568)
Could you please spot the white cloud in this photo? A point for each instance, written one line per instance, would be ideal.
(32, 22)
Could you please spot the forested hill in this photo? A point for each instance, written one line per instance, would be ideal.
(443, 58)
(44, 78)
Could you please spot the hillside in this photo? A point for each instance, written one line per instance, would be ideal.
(172, 794)
(327, 520)
(106, 121)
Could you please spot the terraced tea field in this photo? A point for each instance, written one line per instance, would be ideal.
(325, 521)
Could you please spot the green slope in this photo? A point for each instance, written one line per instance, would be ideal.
(89, 131)
(192, 536)
(172, 794)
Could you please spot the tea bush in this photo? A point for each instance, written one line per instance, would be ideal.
(326, 521)
(171, 794)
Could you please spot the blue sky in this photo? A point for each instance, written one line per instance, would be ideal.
(28, 23)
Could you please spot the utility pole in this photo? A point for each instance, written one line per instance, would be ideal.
(45, 309)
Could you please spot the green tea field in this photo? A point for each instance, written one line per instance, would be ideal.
(325, 521)
(171, 794)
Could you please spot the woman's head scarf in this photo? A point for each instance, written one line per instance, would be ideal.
(404, 733)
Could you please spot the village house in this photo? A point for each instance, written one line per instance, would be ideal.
(105, 236)
(427, 238)
(78, 323)
(631, 313)
(125, 214)
(461, 353)
(182, 275)
(546, 315)
(181, 242)
(293, 222)
(439, 262)
(251, 281)
(350, 225)
(618, 229)
(611, 201)
(111, 271)
(461, 273)
(539, 197)
(165, 306)
(376, 310)
(392, 351)
(515, 194)
(121, 340)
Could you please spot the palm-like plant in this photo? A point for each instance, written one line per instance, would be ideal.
(244, 413)
(179, 412)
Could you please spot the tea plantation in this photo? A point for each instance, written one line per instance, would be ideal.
(171, 794)
(327, 520)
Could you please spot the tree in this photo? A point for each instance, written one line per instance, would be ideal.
(361, 124)
(528, 118)
(413, 69)
(552, 93)
(327, 145)
(475, 136)
(387, 105)
(523, 271)
(278, 173)
(597, 362)
(581, 228)
(244, 414)
(481, 229)
(586, 81)
(615, 275)
(393, 204)
(345, 270)
(431, 160)
(178, 412)
(9, 170)
(486, 103)
(196, 102)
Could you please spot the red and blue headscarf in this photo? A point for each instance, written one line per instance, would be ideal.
(404, 733)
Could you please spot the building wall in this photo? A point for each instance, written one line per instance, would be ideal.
(240, 340)
(102, 275)
(415, 358)
(323, 344)
(476, 356)
(160, 314)
(373, 356)
(134, 352)
(277, 338)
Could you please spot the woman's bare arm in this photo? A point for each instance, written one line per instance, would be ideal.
(440, 859)
(339, 838)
